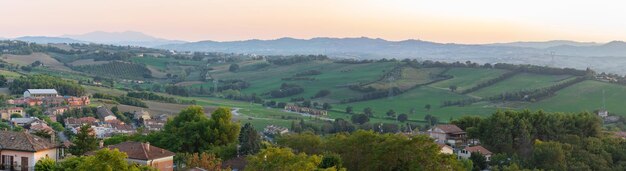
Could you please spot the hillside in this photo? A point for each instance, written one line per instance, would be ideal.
(266, 83)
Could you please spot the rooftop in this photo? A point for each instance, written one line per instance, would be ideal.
(480, 149)
(42, 91)
(141, 151)
(450, 129)
(22, 141)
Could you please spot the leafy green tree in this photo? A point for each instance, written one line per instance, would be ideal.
(3, 81)
(391, 113)
(427, 107)
(368, 112)
(330, 160)
(403, 117)
(104, 159)
(281, 159)
(198, 131)
(85, 141)
(360, 118)
(233, 68)
(326, 106)
(478, 161)
(306, 142)
(249, 140)
(453, 88)
(45, 164)
(549, 156)
(15, 115)
(349, 110)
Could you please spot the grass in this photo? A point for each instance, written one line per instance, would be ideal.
(522, 81)
(585, 96)
(10, 74)
(465, 78)
(417, 99)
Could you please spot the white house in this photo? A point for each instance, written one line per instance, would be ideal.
(466, 153)
(447, 134)
(21, 150)
(41, 93)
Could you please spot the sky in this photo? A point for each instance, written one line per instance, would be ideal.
(447, 21)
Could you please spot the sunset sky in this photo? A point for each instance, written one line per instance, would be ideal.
(460, 21)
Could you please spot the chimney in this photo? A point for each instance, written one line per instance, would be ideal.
(101, 143)
(147, 146)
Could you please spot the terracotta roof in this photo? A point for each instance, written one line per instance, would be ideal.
(480, 149)
(104, 112)
(23, 141)
(450, 129)
(141, 151)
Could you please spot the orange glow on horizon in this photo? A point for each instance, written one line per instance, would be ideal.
(480, 21)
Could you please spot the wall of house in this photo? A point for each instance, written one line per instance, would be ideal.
(17, 157)
(162, 164)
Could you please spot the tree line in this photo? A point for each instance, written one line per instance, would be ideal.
(40, 81)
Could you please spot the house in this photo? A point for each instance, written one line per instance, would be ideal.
(123, 128)
(53, 111)
(21, 150)
(445, 149)
(78, 101)
(105, 114)
(603, 113)
(37, 93)
(6, 113)
(466, 153)
(306, 110)
(23, 121)
(40, 127)
(53, 100)
(145, 154)
(447, 134)
(275, 130)
(77, 122)
(153, 124)
(141, 115)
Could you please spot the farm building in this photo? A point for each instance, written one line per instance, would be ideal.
(447, 134)
(311, 111)
(41, 93)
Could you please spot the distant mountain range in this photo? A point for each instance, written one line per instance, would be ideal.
(128, 38)
(46, 40)
(377, 48)
(131, 38)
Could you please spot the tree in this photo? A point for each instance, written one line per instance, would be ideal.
(15, 115)
(326, 106)
(330, 160)
(282, 159)
(306, 142)
(549, 156)
(3, 81)
(45, 164)
(427, 107)
(349, 110)
(85, 141)
(360, 118)
(431, 120)
(368, 112)
(249, 140)
(479, 161)
(103, 159)
(206, 161)
(453, 88)
(200, 133)
(403, 117)
(391, 113)
(233, 68)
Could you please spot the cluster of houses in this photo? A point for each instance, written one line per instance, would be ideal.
(453, 140)
(21, 150)
(305, 110)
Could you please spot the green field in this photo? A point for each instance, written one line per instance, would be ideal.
(586, 96)
(465, 78)
(522, 81)
(418, 98)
